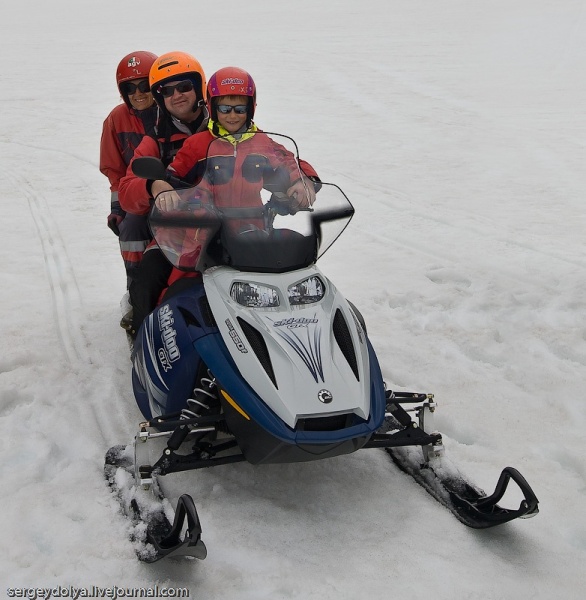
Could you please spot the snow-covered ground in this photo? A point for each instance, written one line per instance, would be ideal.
(458, 131)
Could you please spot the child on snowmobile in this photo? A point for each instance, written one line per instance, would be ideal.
(231, 101)
(122, 132)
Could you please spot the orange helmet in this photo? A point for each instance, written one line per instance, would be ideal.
(231, 81)
(176, 65)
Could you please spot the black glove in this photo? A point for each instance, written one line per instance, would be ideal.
(283, 204)
(115, 217)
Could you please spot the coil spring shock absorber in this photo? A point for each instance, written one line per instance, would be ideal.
(203, 398)
(204, 402)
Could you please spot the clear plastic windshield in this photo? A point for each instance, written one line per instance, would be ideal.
(255, 209)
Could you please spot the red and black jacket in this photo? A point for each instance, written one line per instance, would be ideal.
(134, 192)
(122, 132)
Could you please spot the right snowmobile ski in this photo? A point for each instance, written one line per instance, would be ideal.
(431, 469)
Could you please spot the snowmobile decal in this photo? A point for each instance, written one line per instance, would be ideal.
(309, 351)
(150, 344)
(168, 334)
(235, 337)
(292, 323)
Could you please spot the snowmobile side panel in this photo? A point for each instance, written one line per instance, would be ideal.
(165, 359)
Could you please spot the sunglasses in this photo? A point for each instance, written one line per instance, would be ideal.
(130, 88)
(226, 109)
(183, 86)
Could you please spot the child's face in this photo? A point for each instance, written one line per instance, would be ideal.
(232, 121)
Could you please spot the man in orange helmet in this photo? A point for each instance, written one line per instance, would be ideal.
(122, 132)
(178, 85)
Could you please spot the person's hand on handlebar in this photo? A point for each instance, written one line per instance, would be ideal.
(167, 198)
(302, 192)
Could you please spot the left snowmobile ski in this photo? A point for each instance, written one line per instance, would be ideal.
(261, 358)
(154, 534)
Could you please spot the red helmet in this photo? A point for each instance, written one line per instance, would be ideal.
(135, 65)
(231, 81)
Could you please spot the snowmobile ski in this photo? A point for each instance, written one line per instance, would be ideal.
(466, 501)
(155, 535)
(431, 469)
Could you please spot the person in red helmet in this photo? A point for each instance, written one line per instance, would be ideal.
(122, 132)
(231, 103)
(178, 85)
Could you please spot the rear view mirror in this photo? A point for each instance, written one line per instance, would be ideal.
(149, 167)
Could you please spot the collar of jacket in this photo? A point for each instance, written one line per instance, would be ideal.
(218, 131)
(193, 127)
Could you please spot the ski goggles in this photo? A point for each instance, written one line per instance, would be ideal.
(226, 109)
(182, 87)
(143, 86)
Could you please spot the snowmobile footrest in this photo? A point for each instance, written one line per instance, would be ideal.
(168, 541)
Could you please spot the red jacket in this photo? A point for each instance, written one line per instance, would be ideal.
(230, 158)
(246, 158)
(122, 132)
(135, 196)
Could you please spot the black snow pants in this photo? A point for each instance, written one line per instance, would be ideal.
(147, 284)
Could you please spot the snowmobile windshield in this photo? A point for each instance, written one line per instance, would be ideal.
(254, 209)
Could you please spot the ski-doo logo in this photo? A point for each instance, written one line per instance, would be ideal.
(325, 396)
(292, 323)
(170, 353)
(232, 81)
(235, 337)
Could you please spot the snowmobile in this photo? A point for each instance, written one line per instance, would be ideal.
(255, 355)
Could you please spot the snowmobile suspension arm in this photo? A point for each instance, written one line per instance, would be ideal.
(172, 462)
(412, 436)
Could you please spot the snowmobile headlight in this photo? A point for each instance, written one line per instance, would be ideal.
(254, 295)
(308, 291)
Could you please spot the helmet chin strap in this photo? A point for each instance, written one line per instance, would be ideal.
(199, 104)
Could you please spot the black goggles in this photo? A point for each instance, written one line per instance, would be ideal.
(143, 86)
(226, 109)
(183, 86)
